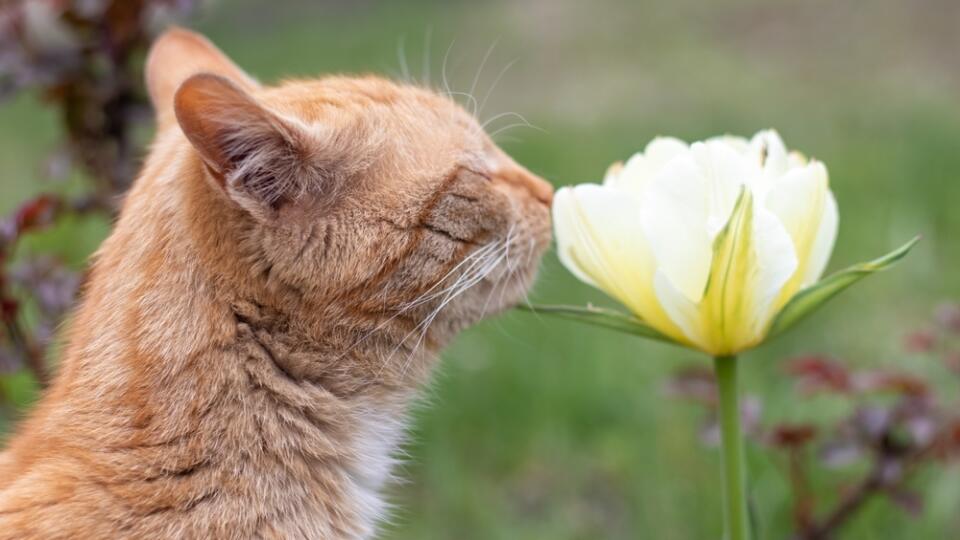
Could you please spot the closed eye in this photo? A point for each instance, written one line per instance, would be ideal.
(483, 175)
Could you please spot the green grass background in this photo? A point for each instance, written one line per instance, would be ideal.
(537, 428)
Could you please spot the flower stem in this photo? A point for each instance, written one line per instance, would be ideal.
(734, 471)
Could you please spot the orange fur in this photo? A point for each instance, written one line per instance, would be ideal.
(280, 280)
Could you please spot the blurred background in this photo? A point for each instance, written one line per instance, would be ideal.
(538, 428)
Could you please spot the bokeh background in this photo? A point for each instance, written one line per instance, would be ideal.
(538, 428)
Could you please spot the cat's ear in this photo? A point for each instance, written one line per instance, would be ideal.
(174, 57)
(261, 160)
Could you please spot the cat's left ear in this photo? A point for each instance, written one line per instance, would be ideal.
(261, 159)
(177, 55)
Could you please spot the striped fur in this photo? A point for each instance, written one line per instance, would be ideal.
(281, 278)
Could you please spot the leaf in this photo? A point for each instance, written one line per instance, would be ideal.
(602, 317)
(809, 299)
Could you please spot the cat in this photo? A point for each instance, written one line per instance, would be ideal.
(280, 280)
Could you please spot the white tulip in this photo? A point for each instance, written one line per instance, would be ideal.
(704, 242)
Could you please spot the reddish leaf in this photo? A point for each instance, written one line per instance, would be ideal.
(920, 341)
(792, 435)
(8, 308)
(892, 381)
(819, 374)
(950, 441)
(35, 213)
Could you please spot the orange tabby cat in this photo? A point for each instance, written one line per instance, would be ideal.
(280, 280)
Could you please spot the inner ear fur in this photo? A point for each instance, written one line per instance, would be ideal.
(261, 159)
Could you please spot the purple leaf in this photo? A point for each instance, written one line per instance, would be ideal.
(837, 454)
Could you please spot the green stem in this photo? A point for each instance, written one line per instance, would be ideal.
(734, 471)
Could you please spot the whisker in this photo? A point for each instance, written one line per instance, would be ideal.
(425, 296)
(476, 78)
(475, 256)
(511, 126)
(473, 100)
(425, 61)
(424, 326)
(443, 68)
(402, 58)
(494, 84)
(502, 283)
(526, 294)
(496, 117)
(523, 120)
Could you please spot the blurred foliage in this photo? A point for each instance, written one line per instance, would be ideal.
(546, 429)
(84, 58)
(896, 421)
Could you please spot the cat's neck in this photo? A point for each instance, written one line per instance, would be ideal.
(202, 400)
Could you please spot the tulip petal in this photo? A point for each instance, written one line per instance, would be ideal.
(752, 259)
(740, 144)
(684, 313)
(599, 241)
(569, 232)
(801, 200)
(613, 173)
(661, 150)
(823, 244)
(726, 172)
(776, 262)
(629, 177)
(768, 148)
(673, 217)
(683, 208)
(637, 172)
(713, 321)
(796, 159)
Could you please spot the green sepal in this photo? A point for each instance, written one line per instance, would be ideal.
(602, 317)
(814, 296)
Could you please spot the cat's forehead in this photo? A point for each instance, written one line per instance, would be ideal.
(313, 100)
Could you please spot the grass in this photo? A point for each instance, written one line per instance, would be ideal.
(538, 428)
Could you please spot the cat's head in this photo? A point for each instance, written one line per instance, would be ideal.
(384, 198)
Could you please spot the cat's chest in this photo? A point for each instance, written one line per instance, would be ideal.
(374, 441)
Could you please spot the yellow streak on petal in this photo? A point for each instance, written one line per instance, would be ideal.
(803, 227)
(623, 277)
(729, 297)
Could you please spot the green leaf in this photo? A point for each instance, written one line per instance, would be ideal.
(602, 317)
(809, 299)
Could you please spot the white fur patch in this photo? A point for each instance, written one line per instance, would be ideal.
(377, 434)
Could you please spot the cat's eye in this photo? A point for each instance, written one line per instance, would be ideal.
(477, 173)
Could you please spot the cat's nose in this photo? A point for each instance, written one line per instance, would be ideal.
(512, 173)
(539, 188)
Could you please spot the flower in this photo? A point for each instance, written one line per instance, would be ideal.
(705, 242)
